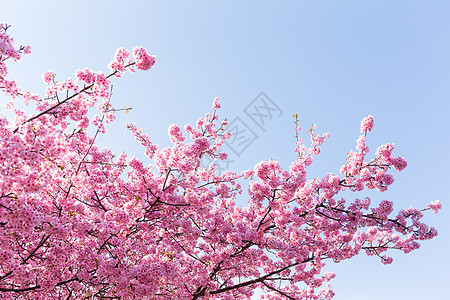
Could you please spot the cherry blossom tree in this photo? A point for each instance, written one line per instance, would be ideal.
(78, 222)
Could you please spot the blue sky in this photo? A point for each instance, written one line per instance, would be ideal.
(332, 62)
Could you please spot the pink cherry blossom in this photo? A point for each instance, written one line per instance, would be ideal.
(80, 222)
(144, 61)
(367, 124)
(435, 206)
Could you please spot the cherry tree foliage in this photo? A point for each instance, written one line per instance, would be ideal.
(78, 222)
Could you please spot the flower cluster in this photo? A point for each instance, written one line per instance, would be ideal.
(9, 51)
(367, 124)
(144, 61)
(120, 61)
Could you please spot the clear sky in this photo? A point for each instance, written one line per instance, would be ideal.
(332, 62)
